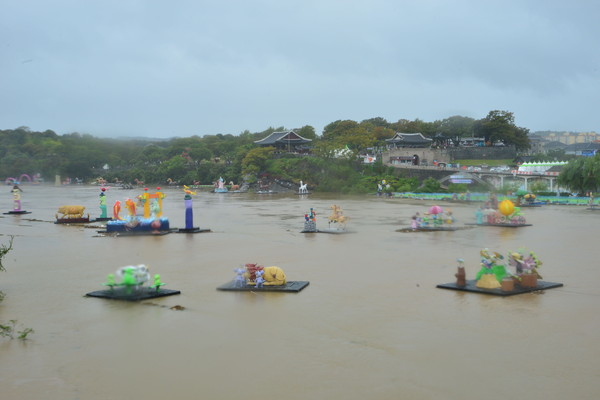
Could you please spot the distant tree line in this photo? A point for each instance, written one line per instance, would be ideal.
(202, 160)
(497, 126)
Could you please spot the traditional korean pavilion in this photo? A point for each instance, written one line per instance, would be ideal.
(409, 140)
(285, 141)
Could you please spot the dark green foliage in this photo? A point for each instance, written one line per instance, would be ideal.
(500, 126)
(457, 188)
(456, 127)
(4, 249)
(338, 175)
(431, 185)
(581, 174)
(9, 330)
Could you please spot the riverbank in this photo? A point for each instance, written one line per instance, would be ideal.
(483, 197)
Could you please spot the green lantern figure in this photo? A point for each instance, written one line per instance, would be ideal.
(157, 282)
(110, 281)
(103, 204)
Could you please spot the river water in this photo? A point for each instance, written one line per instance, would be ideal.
(371, 325)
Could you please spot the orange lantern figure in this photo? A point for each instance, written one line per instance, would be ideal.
(506, 207)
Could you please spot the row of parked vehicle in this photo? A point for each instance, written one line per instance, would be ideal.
(503, 168)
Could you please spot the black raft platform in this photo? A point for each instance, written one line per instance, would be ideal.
(67, 221)
(17, 212)
(192, 230)
(330, 231)
(136, 233)
(292, 286)
(500, 225)
(430, 229)
(470, 287)
(121, 294)
(102, 219)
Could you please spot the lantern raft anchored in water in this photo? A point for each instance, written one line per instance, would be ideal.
(133, 285)
(436, 219)
(337, 219)
(497, 278)
(71, 215)
(507, 216)
(152, 223)
(189, 214)
(310, 222)
(16, 192)
(256, 278)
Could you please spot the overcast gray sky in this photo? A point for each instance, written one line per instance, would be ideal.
(158, 68)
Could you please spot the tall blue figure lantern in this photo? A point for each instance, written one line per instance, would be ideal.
(189, 213)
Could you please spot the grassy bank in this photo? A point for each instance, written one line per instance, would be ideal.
(482, 197)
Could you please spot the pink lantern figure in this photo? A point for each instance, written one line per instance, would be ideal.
(435, 210)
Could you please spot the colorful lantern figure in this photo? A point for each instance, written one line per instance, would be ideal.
(189, 213)
(435, 210)
(479, 216)
(154, 200)
(506, 207)
(310, 221)
(117, 210)
(103, 203)
(130, 205)
(16, 192)
(492, 270)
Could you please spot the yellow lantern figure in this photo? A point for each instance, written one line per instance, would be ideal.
(506, 207)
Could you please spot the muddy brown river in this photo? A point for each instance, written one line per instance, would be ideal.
(371, 324)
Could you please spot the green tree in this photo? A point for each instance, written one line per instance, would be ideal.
(457, 188)
(307, 132)
(378, 127)
(377, 121)
(431, 185)
(174, 168)
(256, 160)
(338, 128)
(581, 174)
(538, 186)
(326, 149)
(456, 127)
(348, 133)
(380, 133)
(500, 126)
(416, 126)
(151, 155)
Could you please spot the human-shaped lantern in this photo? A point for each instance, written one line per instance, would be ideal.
(103, 203)
(16, 192)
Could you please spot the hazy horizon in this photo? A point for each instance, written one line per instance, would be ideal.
(150, 69)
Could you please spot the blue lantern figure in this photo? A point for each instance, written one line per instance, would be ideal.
(189, 213)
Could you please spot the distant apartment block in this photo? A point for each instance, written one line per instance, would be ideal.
(569, 137)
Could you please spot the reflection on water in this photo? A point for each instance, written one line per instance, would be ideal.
(370, 325)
